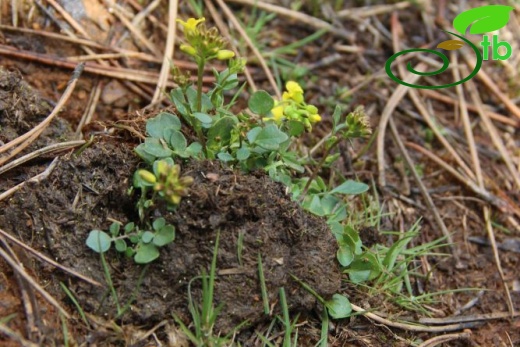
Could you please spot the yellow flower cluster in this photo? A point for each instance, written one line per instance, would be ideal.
(293, 107)
(167, 181)
(203, 43)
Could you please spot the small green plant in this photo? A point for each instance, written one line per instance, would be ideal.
(290, 337)
(142, 245)
(205, 315)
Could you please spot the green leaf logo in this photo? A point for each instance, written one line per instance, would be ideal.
(484, 19)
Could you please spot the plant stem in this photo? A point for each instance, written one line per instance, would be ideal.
(200, 74)
(318, 168)
(196, 125)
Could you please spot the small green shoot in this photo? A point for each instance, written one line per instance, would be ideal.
(338, 307)
(263, 287)
(205, 316)
(76, 304)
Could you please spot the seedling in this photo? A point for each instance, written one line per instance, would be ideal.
(142, 245)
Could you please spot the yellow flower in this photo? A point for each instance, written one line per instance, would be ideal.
(190, 26)
(294, 92)
(277, 113)
(225, 54)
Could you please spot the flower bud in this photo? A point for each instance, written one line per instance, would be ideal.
(314, 118)
(162, 168)
(186, 181)
(188, 49)
(225, 54)
(147, 176)
(311, 109)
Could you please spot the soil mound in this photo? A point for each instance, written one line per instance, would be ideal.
(84, 192)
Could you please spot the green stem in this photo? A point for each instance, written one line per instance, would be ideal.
(198, 130)
(318, 168)
(200, 75)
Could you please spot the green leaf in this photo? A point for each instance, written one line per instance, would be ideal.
(295, 128)
(129, 252)
(177, 97)
(484, 19)
(350, 187)
(220, 133)
(194, 150)
(203, 117)
(225, 157)
(291, 160)
(159, 223)
(261, 102)
(147, 237)
(155, 126)
(146, 253)
(243, 153)
(328, 203)
(99, 241)
(315, 206)
(147, 157)
(351, 237)
(156, 148)
(336, 116)
(345, 255)
(231, 82)
(120, 245)
(114, 229)
(164, 236)
(253, 133)
(177, 141)
(339, 307)
(271, 137)
(365, 267)
(394, 251)
(129, 227)
(206, 104)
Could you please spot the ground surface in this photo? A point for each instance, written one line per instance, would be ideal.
(84, 191)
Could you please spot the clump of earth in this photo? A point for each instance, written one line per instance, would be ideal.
(89, 189)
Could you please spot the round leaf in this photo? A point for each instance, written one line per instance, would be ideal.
(120, 245)
(261, 102)
(159, 223)
(176, 139)
(339, 307)
(225, 157)
(99, 241)
(164, 236)
(147, 237)
(156, 148)
(271, 137)
(345, 255)
(243, 153)
(365, 267)
(146, 253)
(114, 228)
(155, 126)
